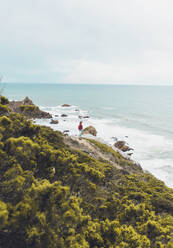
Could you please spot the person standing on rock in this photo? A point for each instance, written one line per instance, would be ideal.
(80, 128)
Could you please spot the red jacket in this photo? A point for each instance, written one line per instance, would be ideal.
(80, 127)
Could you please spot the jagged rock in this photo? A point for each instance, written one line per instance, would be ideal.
(90, 130)
(27, 101)
(54, 121)
(121, 145)
(65, 105)
(29, 109)
(64, 115)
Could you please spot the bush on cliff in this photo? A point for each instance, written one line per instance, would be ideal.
(29, 110)
(54, 196)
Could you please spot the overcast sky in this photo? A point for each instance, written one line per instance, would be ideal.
(87, 41)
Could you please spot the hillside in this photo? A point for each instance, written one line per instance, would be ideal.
(60, 191)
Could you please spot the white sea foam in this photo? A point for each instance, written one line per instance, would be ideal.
(153, 152)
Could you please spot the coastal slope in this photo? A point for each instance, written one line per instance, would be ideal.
(61, 191)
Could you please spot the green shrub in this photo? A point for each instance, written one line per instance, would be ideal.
(3, 109)
(4, 100)
(53, 196)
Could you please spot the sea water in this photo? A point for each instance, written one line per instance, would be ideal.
(140, 115)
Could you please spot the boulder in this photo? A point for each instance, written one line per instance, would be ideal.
(90, 130)
(54, 121)
(64, 115)
(29, 109)
(65, 105)
(121, 145)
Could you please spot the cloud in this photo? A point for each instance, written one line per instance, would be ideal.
(94, 41)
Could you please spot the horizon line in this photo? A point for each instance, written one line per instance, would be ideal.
(116, 84)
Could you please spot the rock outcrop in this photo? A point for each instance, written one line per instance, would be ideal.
(121, 145)
(29, 109)
(102, 152)
(90, 130)
(54, 121)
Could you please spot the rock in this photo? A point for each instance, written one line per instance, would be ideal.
(130, 154)
(90, 130)
(121, 145)
(54, 121)
(27, 101)
(64, 115)
(42, 115)
(80, 116)
(76, 110)
(29, 109)
(56, 115)
(65, 105)
(66, 131)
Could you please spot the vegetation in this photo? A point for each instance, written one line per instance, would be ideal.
(54, 196)
(30, 111)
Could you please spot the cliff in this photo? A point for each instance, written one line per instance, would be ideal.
(60, 191)
(28, 109)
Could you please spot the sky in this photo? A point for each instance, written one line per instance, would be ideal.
(87, 41)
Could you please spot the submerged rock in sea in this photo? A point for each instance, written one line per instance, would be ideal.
(121, 145)
(84, 117)
(64, 115)
(29, 109)
(90, 130)
(130, 154)
(65, 105)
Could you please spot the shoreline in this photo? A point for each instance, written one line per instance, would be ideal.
(109, 131)
(156, 165)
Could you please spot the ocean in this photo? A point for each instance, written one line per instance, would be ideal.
(140, 115)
